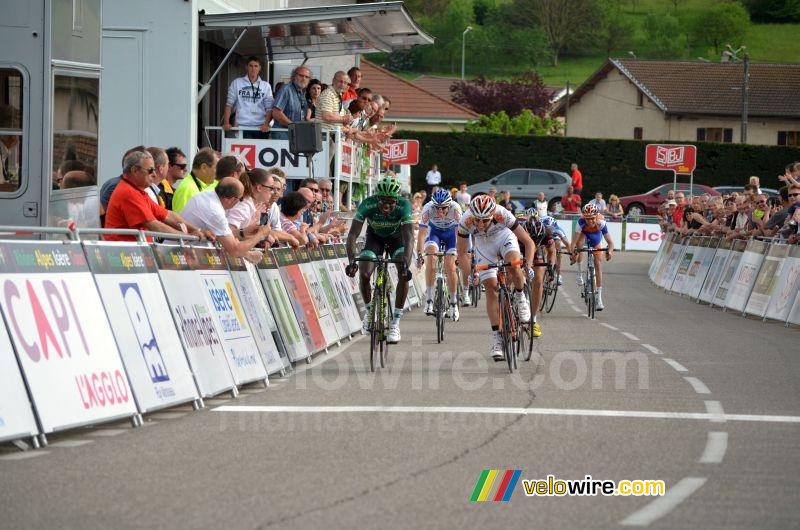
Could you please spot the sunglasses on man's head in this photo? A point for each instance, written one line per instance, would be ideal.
(150, 170)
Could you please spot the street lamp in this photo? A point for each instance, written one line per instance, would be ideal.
(463, 42)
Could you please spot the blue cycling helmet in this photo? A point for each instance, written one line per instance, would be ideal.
(441, 197)
(532, 212)
(548, 221)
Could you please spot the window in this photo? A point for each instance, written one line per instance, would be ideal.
(714, 134)
(789, 138)
(515, 177)
(11, 130)
(542, 178)
(637, 133)
(639, 99)
(75, 117)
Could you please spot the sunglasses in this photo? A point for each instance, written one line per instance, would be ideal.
(150, 170)
(315, 190)
(387, 201)
(182, 166)
(794, 195)
(326, 190)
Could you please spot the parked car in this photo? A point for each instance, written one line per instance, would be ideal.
(525, 184)
(647, 203)
(730, 189)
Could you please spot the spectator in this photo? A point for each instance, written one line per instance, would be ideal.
(598, 201)
(207, 210)
(161, 162)
(201, 178)
(755, 181)
(292, 208)
(312, 185)
(433, 178)
(677, 214)
(129, 206)
(577, 179)
(291, 104)
(571, 202)
(671, 195)
(258, 207)
(614, 208)
(462, 196)
(251, 98)
(540, 203)
(110, 185)
(330, 109)
(344, 205)
(65, 167)
(492, 193)
(505, 202)
(790, 196)
(354, 74)
(77, 179)
(313, 90)
(175, 174)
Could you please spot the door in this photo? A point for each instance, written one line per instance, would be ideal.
(541, 181)
(514, 181)
(21, 112)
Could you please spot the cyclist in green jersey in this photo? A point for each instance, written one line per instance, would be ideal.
(390, 227)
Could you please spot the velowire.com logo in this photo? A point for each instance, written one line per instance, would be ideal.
(505, 486)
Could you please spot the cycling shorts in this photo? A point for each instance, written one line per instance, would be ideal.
(437, 237)
(375, 245)
(490, 250)
(595, 239)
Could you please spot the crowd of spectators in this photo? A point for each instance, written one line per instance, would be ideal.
(738, 215)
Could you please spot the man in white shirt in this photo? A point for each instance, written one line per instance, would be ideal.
(207, 210)
(433, 178)
(463, 197)
(541, 204)
(599, 202)
(251, 98)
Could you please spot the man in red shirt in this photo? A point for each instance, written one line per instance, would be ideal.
(677, 215)
(571, 202)
(130, 206)
(355, 82)
(577, 179)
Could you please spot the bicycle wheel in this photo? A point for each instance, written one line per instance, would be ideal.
(545, 294)
(439, 310)
(386, 322)
(374, 332)
(590, 294)
(508, 336)
(525, 330)
(553, 292)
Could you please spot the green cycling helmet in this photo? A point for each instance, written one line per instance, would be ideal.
(388, 187)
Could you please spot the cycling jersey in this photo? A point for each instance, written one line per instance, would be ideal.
(383, 225)
(492, 244)
(502, 220)
(558, 232)
(594, 234)
(441, 226)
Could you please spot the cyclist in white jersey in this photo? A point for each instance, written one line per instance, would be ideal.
(437, 226)
(496, 235)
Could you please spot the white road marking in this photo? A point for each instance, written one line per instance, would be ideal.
(698, 385)
(711, 415)
(715, 449)
(609, 326)
(675, 364)
(661, 506)
(630, 336)
(70, 443)
(714, 409)
(653, 349)
(574, 308)
(25, 455)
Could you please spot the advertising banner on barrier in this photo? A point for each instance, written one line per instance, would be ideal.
(691, 250)
(240, 348)
(193, 319)
(267, 154)
(326, 282)
(657, 260)
(302, 303)
(794, 315)
(670, 268)
(342, 289)
(272, 325)
(767, 280)
(643, 236)
(321, 306)
(669, 249)
(718, 266)
(787, 286)
(615, 230)
(127, 278)
(61, 335)
(708, 249)
(745, 276)
(16, 416)
(290, 327)
(737, 249)
(255, 308)
(341, 252)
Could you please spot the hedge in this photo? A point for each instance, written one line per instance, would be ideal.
(610, 166)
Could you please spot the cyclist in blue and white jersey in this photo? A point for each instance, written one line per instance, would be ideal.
(592, 227)
(437, 226)
(560, 237)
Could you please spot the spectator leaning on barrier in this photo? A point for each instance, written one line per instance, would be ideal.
(677, 214)
(614, 208)
(207, 210)
(577, 178)
(313, 91)
(244, 218)
(130, 207)
(292, 208)
(110, 185)
(354, 75)
(291, 104)
(251, 98)
(571, 202)
(162, 167)
(202, 177)
(598, 201)
(175, 172)
(330, 109)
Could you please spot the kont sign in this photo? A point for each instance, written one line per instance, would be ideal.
(681, 159)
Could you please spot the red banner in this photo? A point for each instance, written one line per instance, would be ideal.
(678, 158)
(402, 152)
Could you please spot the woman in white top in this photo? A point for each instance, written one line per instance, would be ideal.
(258, 190)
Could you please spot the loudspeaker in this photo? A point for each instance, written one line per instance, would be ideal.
(305, 137)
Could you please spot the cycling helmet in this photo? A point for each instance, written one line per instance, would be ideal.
(482, 206)
(441, 197)
(532, 212)
(535, 227)
(547, 220)
(388, 187)
(589, 211)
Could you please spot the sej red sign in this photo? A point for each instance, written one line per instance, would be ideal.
(402, 152)
(678, 158)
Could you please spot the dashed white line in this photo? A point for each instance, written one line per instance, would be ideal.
(715, 449)
(630, 336)
(661, 506)
(715, 411)
(609, 326)
(675, 364)
(698, 385)
(653, 349)
(25, 455)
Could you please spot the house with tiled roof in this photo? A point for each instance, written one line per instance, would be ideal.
(686, 101)
(413, 107)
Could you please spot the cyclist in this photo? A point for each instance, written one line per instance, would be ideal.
(496, 234)
(542, 237)
(592, 227)
(560, 238)
(438, 222)
(390, 227)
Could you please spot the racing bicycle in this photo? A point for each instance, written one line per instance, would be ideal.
(441, 297)
(589, 293)
(510, 329)
(380, 311)
(549, 288)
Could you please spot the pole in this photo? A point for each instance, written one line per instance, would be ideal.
(463, 49)
(745, 96)
(566, 111)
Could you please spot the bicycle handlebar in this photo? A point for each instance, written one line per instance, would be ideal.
(500, 264)
(381, 260)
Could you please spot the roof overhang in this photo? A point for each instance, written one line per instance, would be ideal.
(300, 33)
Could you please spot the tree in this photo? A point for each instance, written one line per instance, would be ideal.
(525, 123)
(721, 24)
(486, 97)
(662, 33)
(614, 31)
(774, 10)
(564, 22)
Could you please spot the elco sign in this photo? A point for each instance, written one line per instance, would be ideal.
(267, 154)
(402, 152)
